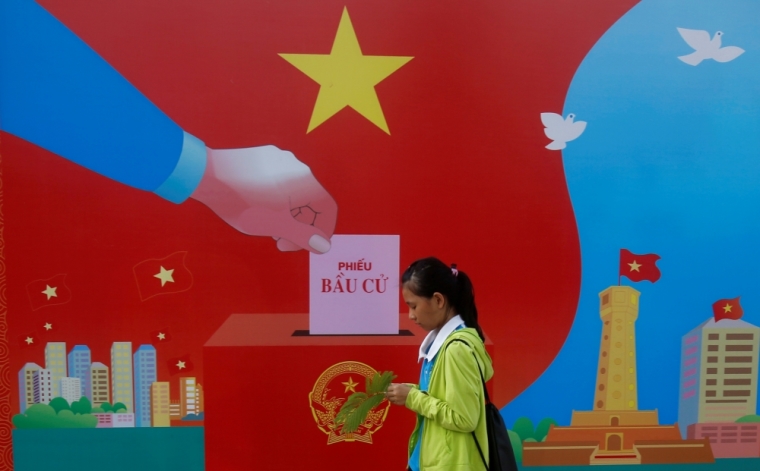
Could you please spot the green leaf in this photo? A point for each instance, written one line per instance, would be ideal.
(354, 411)
(359, 415)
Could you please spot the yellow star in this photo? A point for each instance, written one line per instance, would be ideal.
(727, 308)
(161, 336)
(48, 326)
(29, 340)
(346, 77)
(165, 275)
(350, 385)
(634, 266)
(181, 364)
(50, 291)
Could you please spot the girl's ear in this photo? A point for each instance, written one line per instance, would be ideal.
(439, 300)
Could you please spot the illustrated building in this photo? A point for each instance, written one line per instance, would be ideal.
(718, 379)
(26, 385)
(187, 396)
(159, 400)
(101, 392)
(198, 398)
(729, 439)
(616, 431)
(79, 367)
(145, 376)
(42, 386)
(55, 363)
(71, 389)
(121, 375)
(112, 420)
(175, 409)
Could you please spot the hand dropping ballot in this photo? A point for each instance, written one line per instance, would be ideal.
(353, 288)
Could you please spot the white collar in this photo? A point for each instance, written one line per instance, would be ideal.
(437, 337)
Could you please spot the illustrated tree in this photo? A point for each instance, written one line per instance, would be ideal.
(749, 418)
(39, 416)
(119, 407)
(542, 429)
(58, 404)
(82, 406)
(517, 447)
(524, 428)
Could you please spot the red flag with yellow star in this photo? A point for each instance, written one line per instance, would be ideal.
(639, 267)
(181, 364)
(48, 292)
(727, 309)
(163, 276)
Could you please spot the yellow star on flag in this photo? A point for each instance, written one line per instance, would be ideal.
(634, 266)
(161, 336)
(350, 385)
(181, 364)
(29, 340)
(48, 326)
(346, 77)
(727, 308)
(165, 275)
(49, 291)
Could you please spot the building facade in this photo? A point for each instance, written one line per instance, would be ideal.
(79, 361)
(26, 385)
(121, 375)
(55, 353)
(187, 396)
(42, 386)
(159, 401)
(71, 389)
(101, 392)
(145, 376)
(718, 374)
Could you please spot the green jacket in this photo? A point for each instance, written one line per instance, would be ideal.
(453, 407)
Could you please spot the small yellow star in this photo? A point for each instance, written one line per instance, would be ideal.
(727, 308)
(181, 364)
(161, 336)
(50, 291)
(165, 275)
(48, 326)
(346, 77)
(350, 385)
(29, 340)
(634, 266)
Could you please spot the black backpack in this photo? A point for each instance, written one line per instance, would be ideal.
(501, 456)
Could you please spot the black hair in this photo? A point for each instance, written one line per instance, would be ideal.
(429, 275)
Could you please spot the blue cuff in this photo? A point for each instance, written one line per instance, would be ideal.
(186, 176)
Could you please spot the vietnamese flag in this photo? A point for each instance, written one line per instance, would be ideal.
(727, 309)
(48, 292)
(163, 276)
(639, 267)
(181, 364)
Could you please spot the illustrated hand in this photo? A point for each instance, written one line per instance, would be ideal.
(397, 393)
(266, 191)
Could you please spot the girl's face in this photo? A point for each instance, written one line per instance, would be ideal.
(428, 313)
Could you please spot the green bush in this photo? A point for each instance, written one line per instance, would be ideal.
(39, 416)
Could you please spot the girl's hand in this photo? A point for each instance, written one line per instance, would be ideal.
(397, 393)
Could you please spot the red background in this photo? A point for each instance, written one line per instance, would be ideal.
(464, 174)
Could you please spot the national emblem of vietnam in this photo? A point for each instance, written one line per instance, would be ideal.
(330, 392)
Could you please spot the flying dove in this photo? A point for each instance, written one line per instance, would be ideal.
(560, 130)
(706, 48)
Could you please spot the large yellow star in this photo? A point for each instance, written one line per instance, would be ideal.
(49, 291)
(727, 307)
(350, 385)
(346, 77)
(634, 266)
(165, 275)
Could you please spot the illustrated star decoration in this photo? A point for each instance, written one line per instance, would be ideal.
(346, 77)
(181, 364)
(29, 340)
(727, 308)
(350, 385)
(48, 326)
(50, 291)
(165, 275)
(634, 266)
(161, 336)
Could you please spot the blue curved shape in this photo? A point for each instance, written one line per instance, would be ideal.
(669, 164)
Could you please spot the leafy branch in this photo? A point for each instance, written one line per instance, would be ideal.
(354, 411)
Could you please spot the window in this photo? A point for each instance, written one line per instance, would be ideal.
(740, 336)
(712, 359)
(713, 336)
(739, 348)
(738, 359)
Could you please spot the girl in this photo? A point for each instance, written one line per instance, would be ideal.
(449, 400)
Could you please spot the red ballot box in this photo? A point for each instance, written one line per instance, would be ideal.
(272, 390)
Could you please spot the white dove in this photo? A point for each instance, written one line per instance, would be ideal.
(706, 48)
(560, 130)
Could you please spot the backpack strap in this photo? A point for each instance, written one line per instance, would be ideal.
(488, 400)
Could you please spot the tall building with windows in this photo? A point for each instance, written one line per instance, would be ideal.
(121, 374)
(71, 389)
(79, 367)
(101, 392)
(187, 396)
(159, 402)
(198, 398)
(718, 374)
(145, 376)
(55, 353)
(26, 385)
(42, 386)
